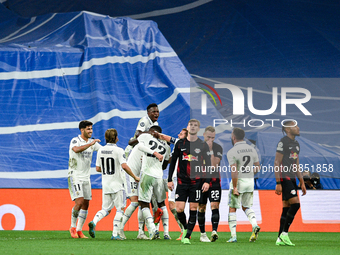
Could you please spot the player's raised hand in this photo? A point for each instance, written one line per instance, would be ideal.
(155, 134)
(95, 141)
(210, 143)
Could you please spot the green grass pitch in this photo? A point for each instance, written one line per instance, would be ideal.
(60, 242)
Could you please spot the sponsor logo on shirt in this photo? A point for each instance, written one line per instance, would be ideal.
(189, 158)
(294, 155)
(86, 154)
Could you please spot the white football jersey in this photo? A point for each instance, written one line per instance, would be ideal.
(150, 164)
(135, 160)
(145, 123)
(79, 164)
(110, 158)
(244, 156)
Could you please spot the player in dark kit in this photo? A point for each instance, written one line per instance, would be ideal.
(286, 167)
(193, 155)
(214, 192)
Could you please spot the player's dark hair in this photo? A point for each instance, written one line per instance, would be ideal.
(156, 128)
(284, 126)
(85, 123)
(239, 133)
(111, 135)
(150, 106)
(185, 131)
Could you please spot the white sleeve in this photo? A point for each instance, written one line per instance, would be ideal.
(256, 157)
(145, 149)
(141, 126)
(98, 159)
(231, 158)
(144, 138)
(74, 142)
(97, 146)
(121, 157)
(168, 152)
(143, 141)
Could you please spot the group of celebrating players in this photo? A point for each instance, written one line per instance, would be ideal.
(137, 173)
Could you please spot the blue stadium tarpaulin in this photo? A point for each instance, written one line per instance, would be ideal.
(59, 65)
(58, 69)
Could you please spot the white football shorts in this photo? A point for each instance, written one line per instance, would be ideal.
(79, 188)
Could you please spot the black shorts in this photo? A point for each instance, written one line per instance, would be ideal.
(289, 189)
(193, 191)
(214, 194)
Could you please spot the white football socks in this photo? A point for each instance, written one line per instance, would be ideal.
(251, 216)
(148, 220)
(116, 222)
(100, 215)
(128, 212)
(81, 219)
(232, 223)
(74, 218)
(165, 220)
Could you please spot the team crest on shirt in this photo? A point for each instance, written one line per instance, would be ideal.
(197, 150)
(293, 192)
(142, 124)
(74, 141)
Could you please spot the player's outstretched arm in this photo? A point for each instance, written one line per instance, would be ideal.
(129, 172)
(167, 138)
(78, 149)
